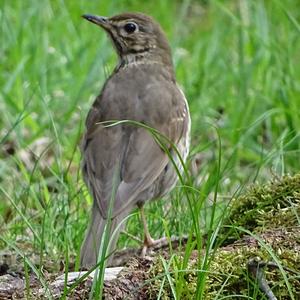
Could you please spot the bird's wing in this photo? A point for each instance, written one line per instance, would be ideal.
(102, 148)
(135, 160)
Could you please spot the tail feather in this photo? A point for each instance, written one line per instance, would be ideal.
(94, 234)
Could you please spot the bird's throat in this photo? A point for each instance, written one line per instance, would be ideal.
(135, 58)
(143, 58)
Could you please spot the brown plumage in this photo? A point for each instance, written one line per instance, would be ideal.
(126, 158)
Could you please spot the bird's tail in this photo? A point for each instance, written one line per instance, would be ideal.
(95, 234)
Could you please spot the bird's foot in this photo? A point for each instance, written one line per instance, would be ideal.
(150, 243)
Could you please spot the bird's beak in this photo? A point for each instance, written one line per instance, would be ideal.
(101, 21)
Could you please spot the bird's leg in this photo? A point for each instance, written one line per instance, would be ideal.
(148, 240)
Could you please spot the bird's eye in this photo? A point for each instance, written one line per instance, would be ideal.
(130, 27)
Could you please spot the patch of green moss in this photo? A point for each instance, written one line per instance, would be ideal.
(270, 211)
(227, 273)
(187, 284)
(272, 205)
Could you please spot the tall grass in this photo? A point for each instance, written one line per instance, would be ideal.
(238, 63)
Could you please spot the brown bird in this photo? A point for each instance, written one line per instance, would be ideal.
(124, 163)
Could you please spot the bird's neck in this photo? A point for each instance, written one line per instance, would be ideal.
(146, 57)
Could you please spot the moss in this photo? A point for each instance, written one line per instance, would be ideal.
(228, 269)
(272, 205)
(270, 211)
(188, 279)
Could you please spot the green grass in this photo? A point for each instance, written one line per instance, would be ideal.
(238, 63)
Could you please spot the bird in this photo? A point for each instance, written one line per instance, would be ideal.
(124, 165)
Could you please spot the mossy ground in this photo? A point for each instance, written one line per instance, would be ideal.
(268, 218)
(272, 205)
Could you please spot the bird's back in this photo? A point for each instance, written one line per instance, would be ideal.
(153, 100)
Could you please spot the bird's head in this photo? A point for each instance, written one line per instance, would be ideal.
(135, 36)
